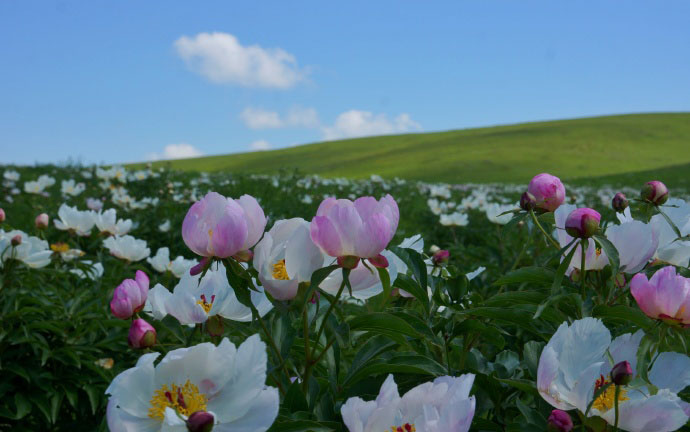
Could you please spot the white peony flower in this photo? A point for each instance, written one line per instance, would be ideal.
(71, 219)
(32, 251)
(127, 248)
(225, 381)
(161, 263)
(672, 251)
(194, 302)
(107, 223)
(454, 219)
(70, 187)
(164, 227)
(38, 186)
(577, 361)
(11, 175)
(494, 210)
(285, 257)
(94, 204)
(444, 404)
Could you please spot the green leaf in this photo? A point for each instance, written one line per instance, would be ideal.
(382, 322)
(622, 314)
(302, 426)
(532, 275)
(530, 354)
(560, 272)
(294, 399)
(400, 363)
(610, 251)
(414, 262)
(385, 278)
(408, 284)
(524, 385)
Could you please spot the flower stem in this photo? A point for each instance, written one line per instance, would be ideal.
(541, 228)
(583, 271)
(615, 402)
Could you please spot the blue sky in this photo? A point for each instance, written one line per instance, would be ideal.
(101, 81)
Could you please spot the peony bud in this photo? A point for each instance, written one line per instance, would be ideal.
(528, 201)
(582, 222)
(214, 325)
(348, 262)
(141, 334)
(654, 192)
(559, 421)
(130, 296)
(2, 215)
(548, 191)
(16, 240)
(620, 202)
(440, 257)
(42, 221)
(200, 421)
(622, 373)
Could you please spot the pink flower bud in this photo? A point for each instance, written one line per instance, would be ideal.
(200, 421)
(654, 192)
(582, 222)
(141, 334)
(440, 257)
(2, 215)
(41, 221)
(130, 296)
(16, 240)
(528, 201)
(221, 227)
(619, 202)
(548, 191)
(622, 373)
(362, 228)
(559, 421)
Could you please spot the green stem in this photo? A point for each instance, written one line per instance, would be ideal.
(583, 271)
(541, 228)
(330, 308)
(615, 402)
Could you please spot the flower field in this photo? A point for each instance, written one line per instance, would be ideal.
(158, 300)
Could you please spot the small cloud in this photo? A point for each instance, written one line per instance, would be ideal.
(260, 145)
(356, 123)
(176, 151)
(222, 59)
(258, 118)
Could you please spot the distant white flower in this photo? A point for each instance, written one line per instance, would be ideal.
(194, 302)
(161, 263)
(11, 175)
(441, 191)
(71, 219)
(107, 223)
(306, 199)
(454, 219)
(164, 227)
(444, 405)
(225, 381)
(38, 186)
(127, 248)
(494, 210)
(94, 204)
(72, 188)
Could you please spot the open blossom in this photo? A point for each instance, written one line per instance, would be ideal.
(221, 227)
(127, 248)
(665, 296)
(72, 188)
(94, 204)
(38, 186)
(130, 296)
(193, 302)
(547, 190)
(362, 228)
(161, 263)
(285, 257)
(454, 219)
(671, 250)
(32, 251)
(578, 360)
(226, 381)
(494, 212)
(71, 219)
(107, 223)
(444, 404)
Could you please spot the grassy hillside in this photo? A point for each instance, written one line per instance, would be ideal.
(571, 149)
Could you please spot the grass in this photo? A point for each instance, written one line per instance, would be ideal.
(571, 149)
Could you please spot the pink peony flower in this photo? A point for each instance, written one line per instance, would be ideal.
(666, 296)
(362, 228)
(548, 191)
(130, 296)
(221, 227)
(582, 222)
(141, 334)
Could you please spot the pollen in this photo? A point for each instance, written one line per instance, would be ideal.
(59, 247)
(598, 251)
(205, 305)
(279, 271)
(185, 400)
(607, 399)
(407, 427)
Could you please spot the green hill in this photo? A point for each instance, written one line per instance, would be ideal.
(571, 149)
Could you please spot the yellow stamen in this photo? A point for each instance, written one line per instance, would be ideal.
(184, 399)
(59, 247)
(279, 271)
(598, 251)
(407, 427)
(206, 306)
(607, 399)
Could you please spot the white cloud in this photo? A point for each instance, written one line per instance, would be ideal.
(260, 145)
(222, 59)
(176, 151)
(258, 118)
(356, 123)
